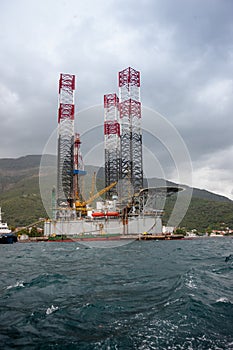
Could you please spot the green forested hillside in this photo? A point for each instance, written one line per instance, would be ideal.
(21, 201)
(21, 204)
(203, 214)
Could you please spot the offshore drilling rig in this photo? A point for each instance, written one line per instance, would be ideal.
(128, 207)
(122, 136)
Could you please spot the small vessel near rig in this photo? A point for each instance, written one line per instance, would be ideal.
(6, 235)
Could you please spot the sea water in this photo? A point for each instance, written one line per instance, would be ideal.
(142, 295)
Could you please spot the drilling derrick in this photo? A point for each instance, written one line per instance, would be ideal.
(131, 167)
(112, 141)
(65, 141)
(78, 169)
(77, 142)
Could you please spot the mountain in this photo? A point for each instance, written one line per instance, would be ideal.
(20, 196)
(196, 192)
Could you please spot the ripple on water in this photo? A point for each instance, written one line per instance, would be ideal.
(161, 295)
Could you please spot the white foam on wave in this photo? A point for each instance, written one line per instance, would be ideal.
(190, 282)
(223, 300)
(16, 285)
(171, 302)
(51, 309)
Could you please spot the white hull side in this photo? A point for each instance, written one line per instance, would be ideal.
(135, 225)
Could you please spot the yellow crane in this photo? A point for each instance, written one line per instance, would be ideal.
(81, 206)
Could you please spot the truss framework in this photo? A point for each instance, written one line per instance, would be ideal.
(111, 141)
(65, 140)
(131, 166)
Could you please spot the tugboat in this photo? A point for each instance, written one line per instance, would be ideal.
(6, 235)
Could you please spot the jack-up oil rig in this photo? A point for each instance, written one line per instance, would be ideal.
(129, 209)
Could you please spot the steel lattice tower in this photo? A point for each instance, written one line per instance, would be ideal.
(65, 140)
(76, 189)
(111, 141)
(78, 169)
(131, 167)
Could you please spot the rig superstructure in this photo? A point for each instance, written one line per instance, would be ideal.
(128, 208)
(65, 151)
(112, 142)
(123, 135)
(131, 166)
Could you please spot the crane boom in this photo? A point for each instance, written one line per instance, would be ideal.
(81, 206)
(91, 199)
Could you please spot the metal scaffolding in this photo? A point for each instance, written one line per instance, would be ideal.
(111, 141)
(65, 140)
(131, 167)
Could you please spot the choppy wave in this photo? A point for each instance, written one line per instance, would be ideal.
(146, 295)
(51, 309)
(16, 285)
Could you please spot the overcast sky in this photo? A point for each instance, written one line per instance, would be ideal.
(183, 49)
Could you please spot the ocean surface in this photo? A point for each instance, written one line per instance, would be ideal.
(142, 295)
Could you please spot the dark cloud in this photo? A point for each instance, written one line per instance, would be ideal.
(183, 49)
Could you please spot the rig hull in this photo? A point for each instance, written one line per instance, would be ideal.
(113, 226)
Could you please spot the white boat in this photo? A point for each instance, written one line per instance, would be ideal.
(3, 225)
(6, 235)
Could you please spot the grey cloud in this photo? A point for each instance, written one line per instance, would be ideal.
(182, 48)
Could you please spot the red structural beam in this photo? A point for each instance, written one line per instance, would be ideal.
(129, 76)
(65, 112)
(77, 144)
(67, 82)
(111, 128)
(111, 100)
